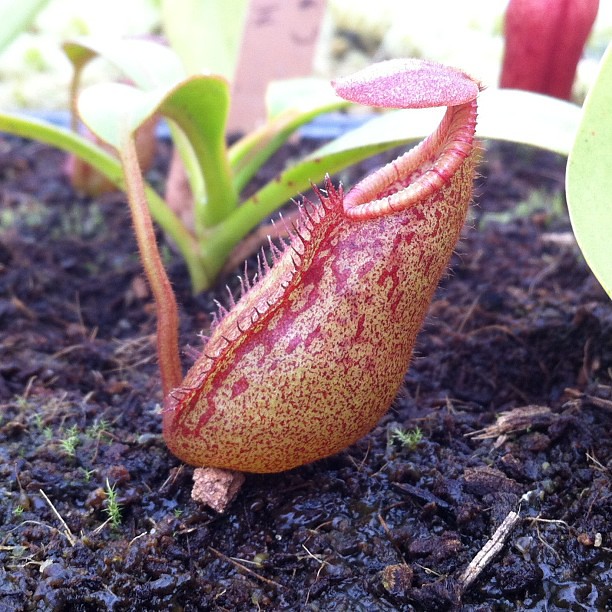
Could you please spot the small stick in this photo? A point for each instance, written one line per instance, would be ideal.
(67, 533)
(244, 568)
(489, 550)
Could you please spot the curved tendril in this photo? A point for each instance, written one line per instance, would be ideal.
(443, 151)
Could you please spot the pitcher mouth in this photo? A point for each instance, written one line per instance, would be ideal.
(418, 174)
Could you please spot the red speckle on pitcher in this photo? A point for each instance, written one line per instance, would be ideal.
(314, 353)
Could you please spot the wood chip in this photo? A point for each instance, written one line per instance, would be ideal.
(519, 419)
(216, 488)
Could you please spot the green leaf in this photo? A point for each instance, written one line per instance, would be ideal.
(528, 118)
(15, 17)
(147, 64)
(296, 179)
(503, 114)
(291, 104)
(198, 105)
(206, 34)
(112, 110)
(301, 95)
(589, 177)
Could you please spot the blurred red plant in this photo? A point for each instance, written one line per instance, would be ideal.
(544, 42)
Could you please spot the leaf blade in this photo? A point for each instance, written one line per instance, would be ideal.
(147, 64)
(589, 180)
(199, 105)
(216, 46)
(15, 17)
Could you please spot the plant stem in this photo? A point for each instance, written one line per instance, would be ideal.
(165, 300)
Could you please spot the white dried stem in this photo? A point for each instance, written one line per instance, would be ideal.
(489, 550)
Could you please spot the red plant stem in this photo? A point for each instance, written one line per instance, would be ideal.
(165, 300)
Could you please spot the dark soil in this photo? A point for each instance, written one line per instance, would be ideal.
(518, 323)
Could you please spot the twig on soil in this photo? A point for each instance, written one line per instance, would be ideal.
(67, 533)
(538, 519)
(593, 400)
(322, 564)
(24, 310)
(513, 421)
(489, 550)
(140, 535)
(244, 568)
(133, 353)
(321, 561)
(172, 478)
(389, 535)
(560, 239)
(430, 571)
(28, 387)
(100, 527)
(597, 465)
(547, 271)
(359, 466)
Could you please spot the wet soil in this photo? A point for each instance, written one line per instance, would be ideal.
(95, 514)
